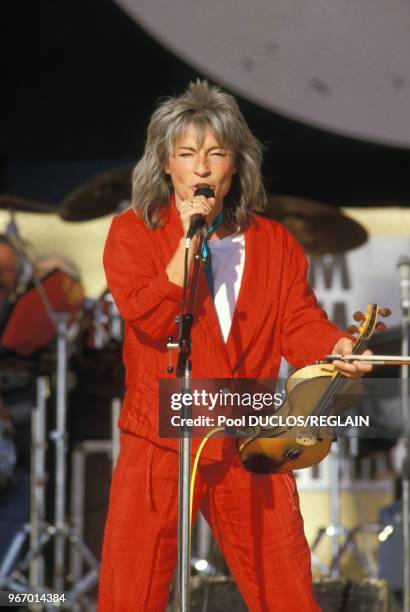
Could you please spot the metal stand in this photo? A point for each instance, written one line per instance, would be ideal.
(60, 439)
(115, 431)
(40, 532)
(183, 371)
(204, 538)
(335, 505)
(38, 478)
(62, 531)
(334, 530)
(184, 514)
(404, 270)
(33, 529)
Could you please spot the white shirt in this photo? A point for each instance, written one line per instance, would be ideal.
(227, 263)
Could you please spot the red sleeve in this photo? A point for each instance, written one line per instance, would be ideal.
(307, 334)
(144, 295)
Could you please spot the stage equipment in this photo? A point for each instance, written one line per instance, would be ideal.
(391, 546)
(41, 532)
(404, 274)
(220, 593)
(106, 324)
(14, 203)
(14, 510)
(183, 373)
(103, 195)
(99, 371)
(30, 325)
(336, 595)
(343, 539)
(77, 506)
(321, 229)
(8, 455)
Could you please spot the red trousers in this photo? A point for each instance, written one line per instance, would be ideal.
(255, 519)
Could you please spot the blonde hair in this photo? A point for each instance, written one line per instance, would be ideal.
(204, 107)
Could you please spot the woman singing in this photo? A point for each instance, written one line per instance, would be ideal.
(253, 307)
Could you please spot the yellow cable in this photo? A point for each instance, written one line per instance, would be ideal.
(194, 470)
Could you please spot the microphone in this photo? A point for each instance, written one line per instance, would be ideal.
(198, 221)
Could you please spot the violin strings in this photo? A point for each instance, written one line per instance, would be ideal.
(338, 381)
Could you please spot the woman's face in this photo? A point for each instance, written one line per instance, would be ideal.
(190, 166)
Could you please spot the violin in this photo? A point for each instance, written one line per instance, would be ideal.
(317, 390)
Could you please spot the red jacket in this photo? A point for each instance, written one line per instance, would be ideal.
(276, 314)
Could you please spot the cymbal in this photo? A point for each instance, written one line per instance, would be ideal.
(15, 203)
(319, 228)
(102, 195)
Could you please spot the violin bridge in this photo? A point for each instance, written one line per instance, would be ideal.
(328, 367)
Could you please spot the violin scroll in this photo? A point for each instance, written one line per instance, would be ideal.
(369, 322)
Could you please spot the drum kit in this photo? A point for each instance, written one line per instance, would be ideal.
(52, 326)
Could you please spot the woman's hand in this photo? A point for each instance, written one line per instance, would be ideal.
(353, 369)
(198, 205)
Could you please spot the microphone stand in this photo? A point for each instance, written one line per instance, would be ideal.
(183, 372)
(404, 270)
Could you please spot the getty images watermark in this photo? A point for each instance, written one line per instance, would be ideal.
(369, 408)
(255, 401)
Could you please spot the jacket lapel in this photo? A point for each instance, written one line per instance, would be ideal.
(249, 306)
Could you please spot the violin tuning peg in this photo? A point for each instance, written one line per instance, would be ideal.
(385, 312)
(352, 329)
(358, 315)
(380, 326)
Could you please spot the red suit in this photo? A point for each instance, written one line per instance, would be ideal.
(256, 519)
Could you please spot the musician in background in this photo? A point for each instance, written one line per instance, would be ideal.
(16, 284)
(254, 305)
(14, 421)
(10, 267)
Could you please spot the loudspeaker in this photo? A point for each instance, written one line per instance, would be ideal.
(330, 593)
(370, 595)
(333, 595)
